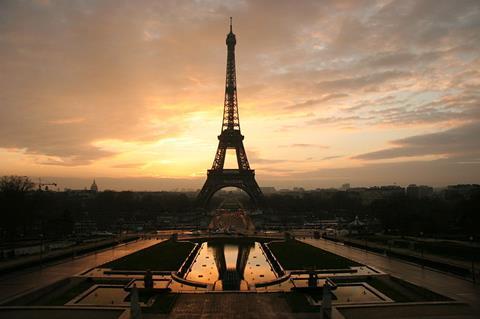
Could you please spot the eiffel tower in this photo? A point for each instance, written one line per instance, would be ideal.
(230, 138)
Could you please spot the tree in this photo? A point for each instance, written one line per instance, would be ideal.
(13, 203)
(15, 184)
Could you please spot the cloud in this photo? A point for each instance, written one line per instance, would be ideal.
(70, 120)
(338, 120)
(86, 155)
(456, 142)
(440, 172)
(396, 25)
(369, 81)
(437, 173)
(255, 158)
(310, 103)
(326, 158)
(305, 145)
(128, 165)
(101, 84)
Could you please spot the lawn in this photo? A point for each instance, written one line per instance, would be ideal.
(295, 255)
(168, 255)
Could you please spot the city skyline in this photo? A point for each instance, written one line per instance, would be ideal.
(368, 93)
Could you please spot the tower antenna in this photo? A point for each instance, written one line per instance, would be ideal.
(230, 24)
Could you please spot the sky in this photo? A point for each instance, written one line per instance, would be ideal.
(330, 92)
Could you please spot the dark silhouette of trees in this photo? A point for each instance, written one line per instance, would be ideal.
(28, 213)
(15, 184)
(469, 217)
(432, 216)
(13, 190)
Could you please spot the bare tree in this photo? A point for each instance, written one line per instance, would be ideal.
(15, 184)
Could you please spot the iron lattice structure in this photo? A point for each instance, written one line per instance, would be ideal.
(230, 138)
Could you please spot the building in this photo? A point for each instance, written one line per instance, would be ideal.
(461, 191)
(369, 195)
(85, 225)
(94, 187)
(268, 190)
(421, 191)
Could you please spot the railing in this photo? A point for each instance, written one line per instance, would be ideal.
(188, 261)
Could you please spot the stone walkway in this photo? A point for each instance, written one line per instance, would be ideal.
(448, 285)
(29, 279)
(37, 259)
(232, 305)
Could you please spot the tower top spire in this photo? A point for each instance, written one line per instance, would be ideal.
(231, 36)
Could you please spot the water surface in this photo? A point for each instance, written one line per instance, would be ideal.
(231, 266)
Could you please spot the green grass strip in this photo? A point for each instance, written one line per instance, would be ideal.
(294, 255)
(168, 256)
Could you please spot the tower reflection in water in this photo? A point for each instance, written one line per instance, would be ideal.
(231, 266)
(231, 261)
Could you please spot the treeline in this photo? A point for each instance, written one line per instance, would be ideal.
(28, 213)
(397, 213)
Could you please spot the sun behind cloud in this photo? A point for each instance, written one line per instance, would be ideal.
(324, 88)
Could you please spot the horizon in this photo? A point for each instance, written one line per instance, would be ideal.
(374, 93)
(156, 184)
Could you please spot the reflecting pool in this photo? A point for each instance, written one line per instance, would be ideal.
(231, 266)
(104, 296)
(355, 293)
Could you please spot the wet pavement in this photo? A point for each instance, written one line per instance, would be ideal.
(232, 305)
(445, 284)
(17, 283)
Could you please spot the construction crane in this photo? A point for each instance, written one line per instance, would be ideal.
(40, 185)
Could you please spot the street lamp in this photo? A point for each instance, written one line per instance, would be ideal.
(421, 247)
(41, 250)
(473, 261)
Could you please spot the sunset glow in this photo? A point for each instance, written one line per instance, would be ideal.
(329, 92)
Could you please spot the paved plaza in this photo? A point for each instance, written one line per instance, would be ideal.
(20, 282)
(236, 304)
(445, 284)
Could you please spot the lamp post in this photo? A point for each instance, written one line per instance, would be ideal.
(421, 247)
(473, 262)
(41, 250)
